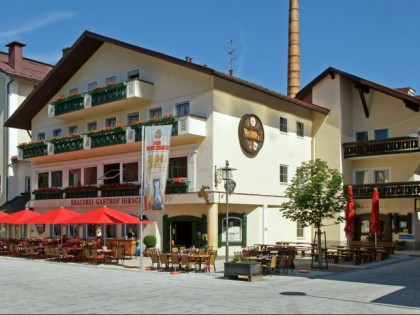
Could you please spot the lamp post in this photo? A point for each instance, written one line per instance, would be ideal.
(229, 187)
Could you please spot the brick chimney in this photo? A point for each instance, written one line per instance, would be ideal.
(15, 54)
(293, 66)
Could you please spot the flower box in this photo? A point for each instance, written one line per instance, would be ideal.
(177, 187)
(68, 104)
(252, 271)
(108, 136)
(67, 143)
(33, 149)
(48, 193)
(119, 190)
(108, 93)
(81, 192)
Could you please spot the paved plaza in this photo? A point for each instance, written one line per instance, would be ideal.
(35, 287)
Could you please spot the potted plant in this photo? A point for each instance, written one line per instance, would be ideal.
(150, 242)
(239, 267)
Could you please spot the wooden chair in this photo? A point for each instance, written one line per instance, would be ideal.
(175, 261)
(290, 263)
(86, 253)
(154, 256)
(186, 263)
(96, 258)
(66, 256)
(164, 260)
(268, 267)
(211, 261)
(119, 255)
(282, 263)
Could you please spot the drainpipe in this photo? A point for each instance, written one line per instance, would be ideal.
(6, 132)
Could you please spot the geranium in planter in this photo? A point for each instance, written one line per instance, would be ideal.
(89, 191)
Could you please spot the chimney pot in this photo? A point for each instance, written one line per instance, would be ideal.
(65, 50)
(15, 54)
(231, 72)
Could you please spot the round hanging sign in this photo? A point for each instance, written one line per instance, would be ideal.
(251, 134)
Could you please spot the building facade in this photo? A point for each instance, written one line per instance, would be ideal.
(18, 77)
(89, 111)
(372, 137)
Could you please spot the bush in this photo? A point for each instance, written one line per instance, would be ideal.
(149, 241)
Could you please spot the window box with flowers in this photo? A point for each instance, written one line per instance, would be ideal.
(88, 191)
(119, 189)
(65, 104)
(111, 92)
(108, 136)
(177, 185)
(67, 143)
(155, 121)
(48, 193)
(33, 148)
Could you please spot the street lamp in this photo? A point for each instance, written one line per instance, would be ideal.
(229, 187)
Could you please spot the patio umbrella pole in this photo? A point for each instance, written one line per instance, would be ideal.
(142, 195)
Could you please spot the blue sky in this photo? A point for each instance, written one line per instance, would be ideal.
(375, 39)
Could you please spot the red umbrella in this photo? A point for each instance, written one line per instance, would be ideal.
(20, 216)
(105, 215)
(3, 216)
(57, 216)
(375, 226)
(349, 213)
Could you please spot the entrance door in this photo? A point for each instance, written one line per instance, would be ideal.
(182, 234)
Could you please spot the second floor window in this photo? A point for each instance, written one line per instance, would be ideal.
(40, 136)
(381, 134)
(183, 109)
(134, 74)
(300, 129)
(131, 118)
(92, 85)
(111, 122)
(155, 112)
(74, 91)
(283, 124)
(361, 177)
(381, 176)
(283, 174)
(111, 80)
(361, 136)
(57, 179)
(73, 129)
(56, 133)
(92, 125)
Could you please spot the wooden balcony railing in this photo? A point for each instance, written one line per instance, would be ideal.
(381, 147)
(388, 190)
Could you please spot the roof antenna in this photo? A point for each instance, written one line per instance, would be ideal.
(231, 51)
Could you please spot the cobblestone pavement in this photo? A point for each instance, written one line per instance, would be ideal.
(34, 286)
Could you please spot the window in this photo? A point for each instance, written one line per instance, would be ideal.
(380, 176)
(91, 230)
(132, 117)
(40, 136)
(283, 174)
(134, 74)
(183, 109)
(92, 125)
(27, 183)
(155, 112)
(75, 177)
(234, 230)
(111, 231)
(283, 124)
(111, 173)
(299, 229)
(111, 80)
(300, 129)
(73, 129)
(56, 230)
(43, 180)
(381, 134)
(177, 167)
(56, 133)
(92, 85)
(133, 228)
(74, 91)
(90, 176)
(361, 177)
(130, 172)
(361, 136)
(111, 122)
(57, 179)
(74, 229)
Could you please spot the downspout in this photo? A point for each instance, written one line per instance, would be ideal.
(6, 140)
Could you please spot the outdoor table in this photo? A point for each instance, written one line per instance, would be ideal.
(107, 253)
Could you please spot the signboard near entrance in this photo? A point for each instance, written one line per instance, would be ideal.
(406, 236)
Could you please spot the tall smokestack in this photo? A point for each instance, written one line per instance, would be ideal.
(293, 66)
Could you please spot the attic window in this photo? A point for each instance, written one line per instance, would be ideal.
(134, 74)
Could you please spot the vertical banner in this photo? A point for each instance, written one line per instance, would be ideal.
(157, 141)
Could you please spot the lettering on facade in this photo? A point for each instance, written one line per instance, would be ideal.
(251, 134)
(105, 201)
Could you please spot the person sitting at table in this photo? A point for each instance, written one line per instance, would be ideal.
(76, 240)
(65, 238)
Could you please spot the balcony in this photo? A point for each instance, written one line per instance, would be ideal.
(381, 147)
(388, 190)
(103, 191)
(185, 130)
(123, 95)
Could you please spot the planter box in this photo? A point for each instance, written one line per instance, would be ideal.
(253, 271)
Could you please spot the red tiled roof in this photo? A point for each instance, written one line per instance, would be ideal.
(30, 69)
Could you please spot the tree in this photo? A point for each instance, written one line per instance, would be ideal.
(315, 194)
